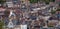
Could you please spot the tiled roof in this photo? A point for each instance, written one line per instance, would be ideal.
(2, 9)
(1, 13)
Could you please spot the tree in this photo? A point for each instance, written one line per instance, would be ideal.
(52, 0)
(48, 1)
(53, 12)
(1, 24)
(58, 10)
(2, 2)
(34, 1)
(6, 12)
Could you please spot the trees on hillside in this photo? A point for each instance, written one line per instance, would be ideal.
(46, 1)
(2, 2)
(34, 1)
(1, 24)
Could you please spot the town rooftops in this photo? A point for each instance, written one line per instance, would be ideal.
(2, 9)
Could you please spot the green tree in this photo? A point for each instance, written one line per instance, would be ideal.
(6, 12)
(53, 12)
(58, 9)
(2, 2)
(34, 1)
(1, 24)
(48, 1)
(52, 0)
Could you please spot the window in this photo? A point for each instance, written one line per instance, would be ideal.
(15, 1)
